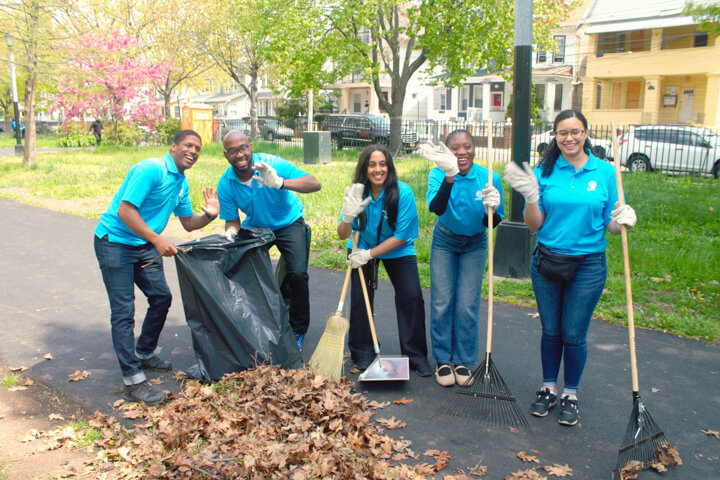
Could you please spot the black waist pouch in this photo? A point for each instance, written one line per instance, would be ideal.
(557, 266)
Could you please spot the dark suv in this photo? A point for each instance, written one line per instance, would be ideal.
(361, 130)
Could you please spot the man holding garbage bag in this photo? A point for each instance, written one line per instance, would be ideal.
(127, 240)
(264, 187)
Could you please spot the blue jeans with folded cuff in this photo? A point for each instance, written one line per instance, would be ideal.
(565, 311)
(457, 264)
(121, 267)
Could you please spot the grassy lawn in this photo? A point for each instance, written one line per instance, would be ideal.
(674, 250)
(7, 140)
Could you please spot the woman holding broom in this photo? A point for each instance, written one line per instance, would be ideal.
(570, 201)
(382, 209)
(459, 194)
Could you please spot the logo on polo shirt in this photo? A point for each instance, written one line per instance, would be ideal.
(592, 185)
(478, 196)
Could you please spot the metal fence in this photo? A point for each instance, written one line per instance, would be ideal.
(663, 148)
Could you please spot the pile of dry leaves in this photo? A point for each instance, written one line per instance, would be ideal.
(261, 423)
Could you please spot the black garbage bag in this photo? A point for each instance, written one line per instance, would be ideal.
(233, 305)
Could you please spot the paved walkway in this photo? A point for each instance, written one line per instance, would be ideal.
(10, 151)
(53, 301)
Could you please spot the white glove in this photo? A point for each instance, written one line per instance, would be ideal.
(269, 176)
(491, 197)
(358, 258)
(523, 180)
(230, 235)
(442, 156)
(624, 215)
(353, 203)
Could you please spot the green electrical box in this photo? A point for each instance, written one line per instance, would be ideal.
(316, 147)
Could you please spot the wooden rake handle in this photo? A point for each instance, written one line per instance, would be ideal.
(368, 308)
(346, 282)
(626, 265)
(490, 214)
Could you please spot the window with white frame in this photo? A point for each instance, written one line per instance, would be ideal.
(559, 54)
(541, 56)
(364, 35)
(443, 99)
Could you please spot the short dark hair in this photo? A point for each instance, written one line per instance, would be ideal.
(180, 136)
(459, 131)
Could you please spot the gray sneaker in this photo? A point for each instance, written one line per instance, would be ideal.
(141, 392)
(568, 412)
(156, 363)
(544, 402)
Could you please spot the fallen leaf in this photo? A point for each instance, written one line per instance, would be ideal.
(659, 467)
(118, 402)
(479, 470)
(375, 404)
(668, 455)
(431, 453)
(391, 423)
(631, 470)
(714, 433)
(156, 381)
(513, 429)
(527, 458)
(56, 416)
(425, 469)
(48, 356)
(403, 401)
(18, 388)
(28, 382)
(18, 369)
(559, 470)
(78, 375)
(529, 474)
(534, 315)
(654, 390)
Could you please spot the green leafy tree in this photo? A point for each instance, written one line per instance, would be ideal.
(707, 13)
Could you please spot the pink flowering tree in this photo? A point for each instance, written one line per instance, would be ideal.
(107, 76)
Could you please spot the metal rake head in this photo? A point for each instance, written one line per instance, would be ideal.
(643, 438)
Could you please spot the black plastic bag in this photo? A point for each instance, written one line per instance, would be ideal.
(233, 305)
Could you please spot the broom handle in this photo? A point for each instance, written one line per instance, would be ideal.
(490, 214)
(369, 310)
(346, 282)
(626, 264)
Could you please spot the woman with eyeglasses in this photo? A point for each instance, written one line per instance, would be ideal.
(571, 199)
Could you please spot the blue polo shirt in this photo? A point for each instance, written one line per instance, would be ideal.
(465, 210)
(264, 207)
(577, 206)
(157, 189)
(406, 227)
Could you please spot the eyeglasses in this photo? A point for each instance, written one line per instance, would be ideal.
(235, 150)
(575, 132)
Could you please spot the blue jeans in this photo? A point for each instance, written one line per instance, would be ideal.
(457, 263)
(121, 270)
(565, 311)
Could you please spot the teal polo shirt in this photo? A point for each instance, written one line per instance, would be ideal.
(157, 189)
(406, 227)
(264, 207)
(465, 210)
(577, 206)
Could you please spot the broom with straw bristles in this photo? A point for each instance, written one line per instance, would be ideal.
(328, 357)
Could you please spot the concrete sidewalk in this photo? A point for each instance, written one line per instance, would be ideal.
(53, 301)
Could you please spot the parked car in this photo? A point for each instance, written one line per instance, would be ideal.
(271, 129)
(678, 148)
(602, 149)
(238, 124)
(361, 130)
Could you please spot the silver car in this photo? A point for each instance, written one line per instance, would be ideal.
(675, 148)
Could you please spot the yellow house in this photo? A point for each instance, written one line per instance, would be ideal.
(647, 63)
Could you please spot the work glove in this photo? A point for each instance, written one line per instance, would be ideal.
(269, 176)
(230, 235)
(353, 203)
(358, 258)
(442, 156)
(624, 215)
(523, 180)
(491, 197)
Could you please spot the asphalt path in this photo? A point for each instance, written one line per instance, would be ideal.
(52, 300)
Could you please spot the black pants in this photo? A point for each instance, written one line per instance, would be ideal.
(293, 243)
(409, 309)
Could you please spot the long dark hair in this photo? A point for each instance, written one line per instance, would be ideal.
(552, 152)
(392, 193)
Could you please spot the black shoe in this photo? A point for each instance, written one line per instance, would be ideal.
(141, 392)
(544, 402)
(423, 370)
(155, 363)
(568, 412)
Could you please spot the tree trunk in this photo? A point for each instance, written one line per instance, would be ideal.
(253, 103)
(30, 152)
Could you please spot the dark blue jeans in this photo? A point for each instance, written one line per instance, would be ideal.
(121, 270)
(565, 311)
(292, 242)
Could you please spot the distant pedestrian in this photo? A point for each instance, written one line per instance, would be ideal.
(128, 237)
(96, 128)
(571, 200)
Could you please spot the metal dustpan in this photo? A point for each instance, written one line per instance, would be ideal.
(387, 367)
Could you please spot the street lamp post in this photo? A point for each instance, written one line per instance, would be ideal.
(18, 130)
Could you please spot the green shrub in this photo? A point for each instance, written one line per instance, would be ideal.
(127, 135)
(167, 130)
(75, 134)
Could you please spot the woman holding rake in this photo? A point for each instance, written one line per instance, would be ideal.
(459, 194)
(570, 201)
(383, 210)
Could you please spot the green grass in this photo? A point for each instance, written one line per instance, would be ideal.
(674, 250)
(7, 140)
(9, 381)
(89, 436)
(4, 470)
